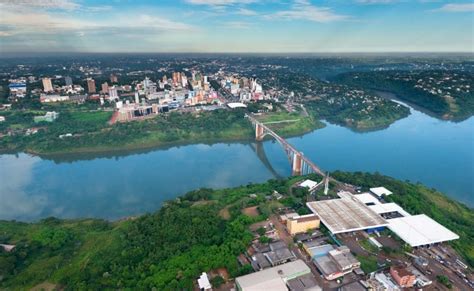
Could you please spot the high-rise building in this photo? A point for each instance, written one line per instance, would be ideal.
(68, 81)
(113, 94)
(113, 78)
(47, 85)
(105, 87)
(90, 85)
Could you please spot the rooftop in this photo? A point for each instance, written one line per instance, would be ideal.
(304, 283)
(346, 215)
(419, 230)
(273, 278)
(379, 191)
(308, 183)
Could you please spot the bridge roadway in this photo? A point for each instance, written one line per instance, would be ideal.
(301, 165)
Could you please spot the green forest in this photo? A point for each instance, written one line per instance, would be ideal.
(408, 87)
(168, 249)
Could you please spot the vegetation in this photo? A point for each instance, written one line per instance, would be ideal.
(421, 88)
(91, 132)
(418, 199)
(168, 249)
(445, 281)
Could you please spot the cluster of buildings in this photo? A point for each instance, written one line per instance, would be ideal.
(368, 212)
(246, 89)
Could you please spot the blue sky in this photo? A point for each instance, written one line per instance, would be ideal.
(236, 26)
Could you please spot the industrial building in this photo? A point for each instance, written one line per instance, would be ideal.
(420, 230)
(275, 279)
(336, 263)
(366, 212)
(300, 224)
(346, 215)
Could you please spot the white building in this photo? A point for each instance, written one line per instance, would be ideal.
(47, 85)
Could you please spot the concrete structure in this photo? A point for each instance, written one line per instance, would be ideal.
(274, 279)
(91, 85)
(7, 248)
(68, 81)
(420, 230)
(303, 283)
(402, 277)
(315, 250)
(379, 191)
(203, 282)
(346, 215)
(105, 88)
(310, 184)
(386, 282)
(113, 93)
(48, 117)
(234, 105)
(47, 85)
(300, 165)
(337, 263)
(299, 224)
(2, 118)
(53, 98)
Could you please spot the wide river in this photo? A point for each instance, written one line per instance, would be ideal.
(420, 148)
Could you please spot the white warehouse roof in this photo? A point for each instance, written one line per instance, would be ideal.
(272, 278)
(346, 214)
(379, 191)
(419, 230)
(389, 207)
(308, 184)
(367, 198)
(233, 105)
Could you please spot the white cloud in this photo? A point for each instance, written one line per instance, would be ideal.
(238, 25)
(457, 7)
(303, 9)
(219, 2)
(246, 12)
(48, 4)
(376, 1)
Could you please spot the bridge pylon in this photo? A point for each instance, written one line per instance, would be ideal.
(259, 132)
(297, 164)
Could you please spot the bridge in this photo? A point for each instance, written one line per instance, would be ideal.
(300, 165)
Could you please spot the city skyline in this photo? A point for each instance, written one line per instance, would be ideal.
(236, 26)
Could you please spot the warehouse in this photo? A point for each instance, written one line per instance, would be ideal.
(273, 278)
(420, 230)
(346, 214)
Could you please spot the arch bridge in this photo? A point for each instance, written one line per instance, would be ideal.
(300, 165)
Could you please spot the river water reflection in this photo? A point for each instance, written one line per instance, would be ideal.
(420, 148)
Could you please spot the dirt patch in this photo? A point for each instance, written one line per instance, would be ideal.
(251, 211)
(46, 286)
(224, 213)
(202, 202)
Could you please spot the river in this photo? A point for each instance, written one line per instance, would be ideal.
(437, 153)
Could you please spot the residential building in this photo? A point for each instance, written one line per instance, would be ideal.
(105, 87)
(403, 277)
(113, 78)
(47, 85)
(91, 85)
(113, 94)
(68, 81)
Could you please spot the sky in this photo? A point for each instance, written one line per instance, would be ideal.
(262, 26)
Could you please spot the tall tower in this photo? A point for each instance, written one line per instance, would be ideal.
(326, 184)
(68, 81)
(90, 85)
(47, 85)
(105, 87)
(137, 98)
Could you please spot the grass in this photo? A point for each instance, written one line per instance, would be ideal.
(368, 263)
(365, 243)
(91, 116)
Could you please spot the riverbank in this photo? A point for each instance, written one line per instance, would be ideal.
(186, 236)
(161, 131)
